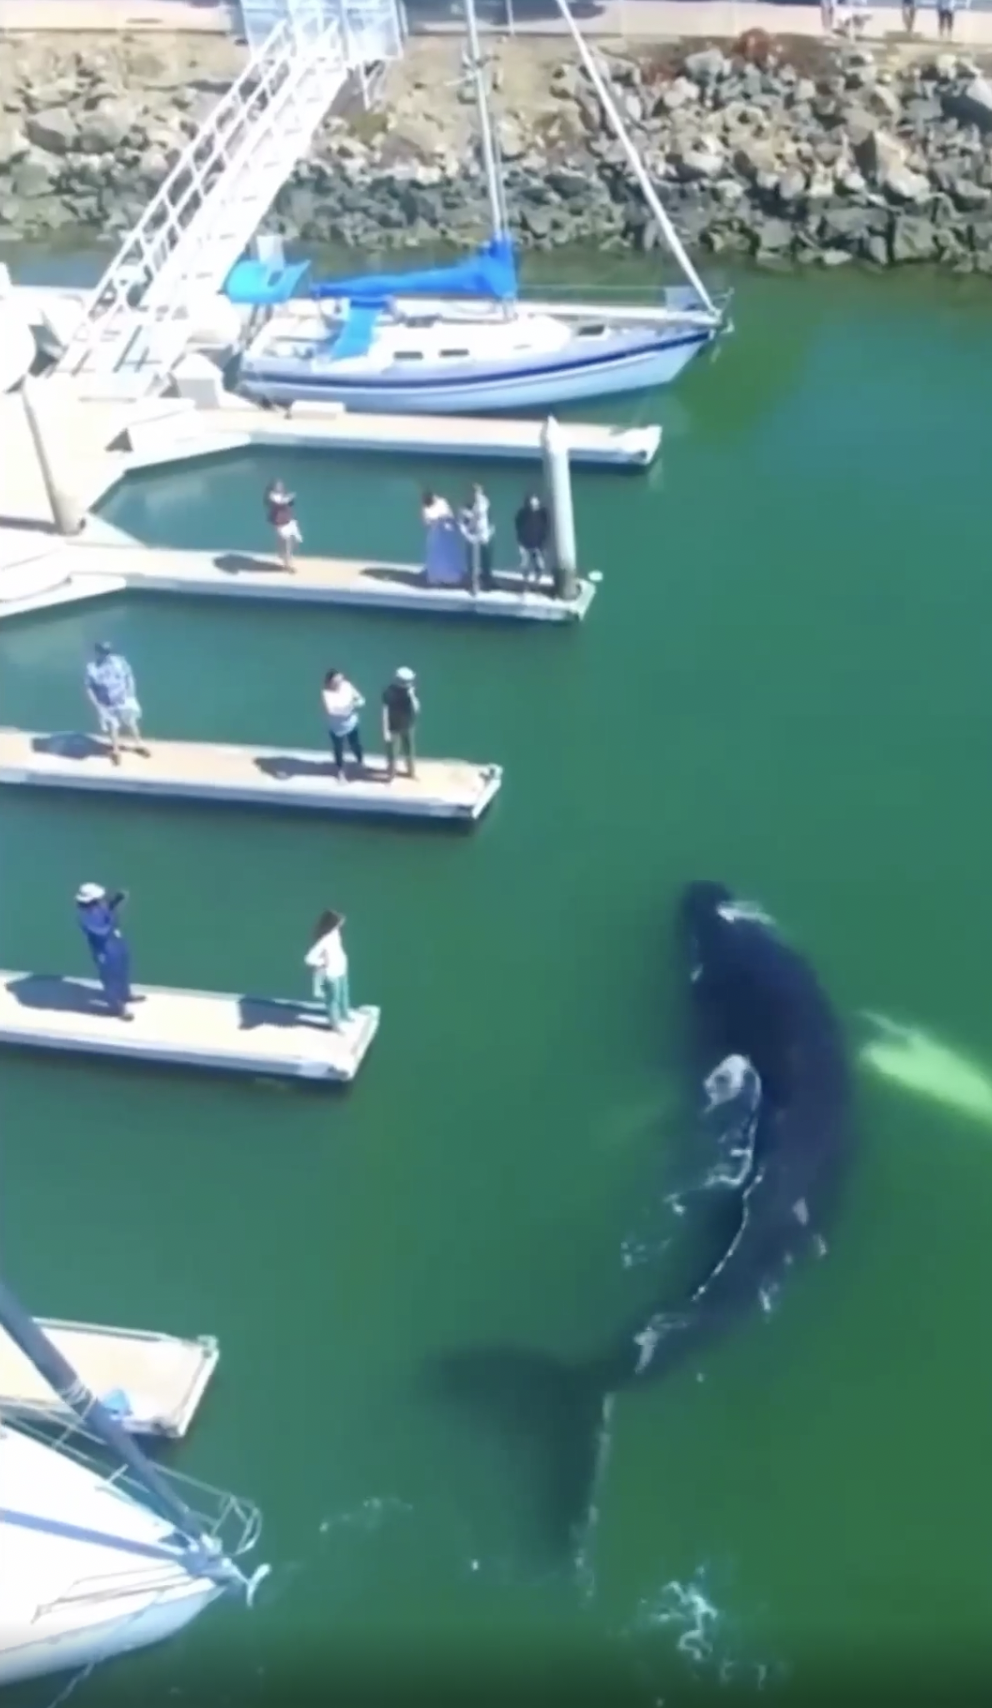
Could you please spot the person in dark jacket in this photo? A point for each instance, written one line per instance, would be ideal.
(400, 708)
(96, 912)
(533, 528)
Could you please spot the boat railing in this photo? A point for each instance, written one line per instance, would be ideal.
(231, 1522)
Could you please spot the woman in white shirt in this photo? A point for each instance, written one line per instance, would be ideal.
(342, 704)
(329, 963)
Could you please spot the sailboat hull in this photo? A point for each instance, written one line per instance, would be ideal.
(574, 378)
(129, 1628)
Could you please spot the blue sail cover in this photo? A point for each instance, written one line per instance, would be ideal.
(490, 273)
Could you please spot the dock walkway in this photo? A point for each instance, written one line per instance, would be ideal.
(160, 1378)
(263, 776)
(319, 581)
(184, 1028)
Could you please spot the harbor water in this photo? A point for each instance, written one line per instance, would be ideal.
(783, 683)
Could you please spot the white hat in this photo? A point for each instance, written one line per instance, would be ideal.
(90, 892)
(405, 674)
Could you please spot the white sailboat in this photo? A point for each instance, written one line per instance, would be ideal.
(17, 341)
(459, 340)
(95, 1563)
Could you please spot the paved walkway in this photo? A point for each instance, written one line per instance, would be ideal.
(656, 20)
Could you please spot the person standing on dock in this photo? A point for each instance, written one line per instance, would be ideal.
(342, 704)
(327, 960)
(97, 912)
(533, 528)
(945, 18)
(444, 551)
(400, 709)
(477, 529)
(111, 691)
(279, 509)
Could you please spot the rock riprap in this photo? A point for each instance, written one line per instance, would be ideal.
(787, 151)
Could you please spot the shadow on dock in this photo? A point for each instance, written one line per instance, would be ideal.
(54, 993)
(71, 744)
(281, 767)
(256, 1011)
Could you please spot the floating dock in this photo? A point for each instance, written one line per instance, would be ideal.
(184, 1028)
(481, 439)
(321, 581)
(154, 1383)
(257, 776)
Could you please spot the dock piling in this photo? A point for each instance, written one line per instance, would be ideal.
(558, 479)
(67, 513)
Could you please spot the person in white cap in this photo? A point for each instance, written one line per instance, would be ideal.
(400, 710)
(97, 911)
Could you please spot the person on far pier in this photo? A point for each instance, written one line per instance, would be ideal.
(97, 914)
(475, 522)
(533, 529)
(111, 691)
(328, 962)
(279, 507)
(444, 547)
(342, 705)
(400, 710)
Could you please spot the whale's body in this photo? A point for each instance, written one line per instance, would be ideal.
(771, 1080)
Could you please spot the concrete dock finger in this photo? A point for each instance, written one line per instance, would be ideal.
(184, 1028)
(263, 776)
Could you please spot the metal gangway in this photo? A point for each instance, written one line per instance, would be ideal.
(301, 55)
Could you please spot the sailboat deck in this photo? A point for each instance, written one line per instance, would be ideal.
(162, 1377)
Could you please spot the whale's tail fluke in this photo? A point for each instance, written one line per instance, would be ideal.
(553, 1411)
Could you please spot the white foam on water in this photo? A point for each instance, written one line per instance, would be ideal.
(703, 1633)
(747, 912)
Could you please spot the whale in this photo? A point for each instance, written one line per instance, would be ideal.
(922, 1065)
(771, 1127)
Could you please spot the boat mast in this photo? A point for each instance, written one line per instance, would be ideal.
(494, 184)
(634, 160)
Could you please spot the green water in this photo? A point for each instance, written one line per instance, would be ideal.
(784, 682)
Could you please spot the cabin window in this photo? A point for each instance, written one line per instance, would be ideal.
(591, 331)
(409, 356)
(454, 355)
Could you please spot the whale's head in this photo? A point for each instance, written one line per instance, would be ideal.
(708, 911)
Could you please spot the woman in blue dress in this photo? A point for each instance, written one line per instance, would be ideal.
(97, 911)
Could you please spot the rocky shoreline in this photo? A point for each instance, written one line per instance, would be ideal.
(785, 151)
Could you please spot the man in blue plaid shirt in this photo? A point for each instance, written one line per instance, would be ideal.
(112, 693)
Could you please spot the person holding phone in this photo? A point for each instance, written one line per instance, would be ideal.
(328, 962)
(342, 705)
(279, 507)
(96, 913)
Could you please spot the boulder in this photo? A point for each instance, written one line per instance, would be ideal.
(968, 195)
(876, 249)
(902, 185)
(55, 130)
(103, 130)
(706, 161)
(682, 93)
(773, 237)
(914, 238)
(707, 66)
(33, 177)
(13, 145)
(971, 105)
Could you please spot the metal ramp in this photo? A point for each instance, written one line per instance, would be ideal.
(179, 254)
